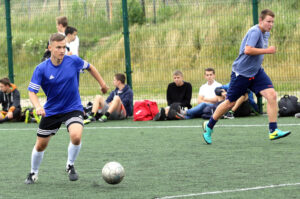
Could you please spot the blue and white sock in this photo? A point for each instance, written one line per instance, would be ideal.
(36, 159)
(73, 151)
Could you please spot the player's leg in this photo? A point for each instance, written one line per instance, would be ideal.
(74, 123)
(99, 101)
(114, 106)
(262, 84)
(238, 87)
(48, 127)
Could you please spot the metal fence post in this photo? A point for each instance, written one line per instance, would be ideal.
(9, 42)
(126, 42)
(255, 21)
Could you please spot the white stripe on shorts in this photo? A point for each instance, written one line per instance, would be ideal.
(46, 132)
(74, 119)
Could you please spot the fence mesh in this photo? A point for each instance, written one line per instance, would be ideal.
(165, 35)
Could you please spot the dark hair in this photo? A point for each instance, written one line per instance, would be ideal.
(209, 69)
(56, 37)
(265, 13)
(70, 30)
(5, 81)
(62, 20)
(120, 77)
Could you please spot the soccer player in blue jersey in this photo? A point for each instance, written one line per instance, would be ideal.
(59, 79)
(247, 72)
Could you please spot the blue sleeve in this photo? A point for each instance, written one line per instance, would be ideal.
(253, 37)
(36, 80)
(110, 97)
(127, 98)
(80, 63)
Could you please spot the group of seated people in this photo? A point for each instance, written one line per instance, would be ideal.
(119, 104)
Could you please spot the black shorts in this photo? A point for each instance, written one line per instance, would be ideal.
(50, 125)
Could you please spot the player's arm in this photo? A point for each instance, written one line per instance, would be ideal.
(94, 72)
(249, 50)
(36, 103)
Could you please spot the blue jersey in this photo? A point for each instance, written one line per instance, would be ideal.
(249, 65)
(60, 84)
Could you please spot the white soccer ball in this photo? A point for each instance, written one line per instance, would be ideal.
(113, 172)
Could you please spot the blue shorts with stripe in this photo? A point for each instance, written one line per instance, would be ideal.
(239, 84)
(50, 125)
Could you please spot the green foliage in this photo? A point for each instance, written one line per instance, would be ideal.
(135, 13)
(165, 13)
(34, 46)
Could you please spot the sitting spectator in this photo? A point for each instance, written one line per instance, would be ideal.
(206, 97)
(179, 94)
(10, 101)
(71, 34)
(118, 105)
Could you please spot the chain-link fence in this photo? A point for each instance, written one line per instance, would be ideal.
(165, 35)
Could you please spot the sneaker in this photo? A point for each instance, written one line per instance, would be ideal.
(161, 115)
(229, 115)
(103, 119)
(27, 116)
(89, 120)
(36, 117)
(207, 132)
(179, 116)
(31, 178)
(277, 134)
(73, 176)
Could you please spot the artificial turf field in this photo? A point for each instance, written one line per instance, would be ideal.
(161, 159)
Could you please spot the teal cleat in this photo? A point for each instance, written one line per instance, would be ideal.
(207, 132)
(277, 134)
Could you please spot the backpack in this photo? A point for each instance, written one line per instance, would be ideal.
(243, 110)
(173, 111)
(288, 106)
(144, 110)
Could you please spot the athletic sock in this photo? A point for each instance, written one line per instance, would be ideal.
(107, 114)
(73, 151)
(272, 126)
(211, 123)
(36, 159)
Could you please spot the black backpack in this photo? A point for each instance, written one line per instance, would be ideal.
(288, 106)
(243, 110)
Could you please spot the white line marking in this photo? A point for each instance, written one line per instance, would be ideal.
(231, 191)
(160, 127)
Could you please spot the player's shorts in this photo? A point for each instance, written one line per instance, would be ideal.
(239, 84)
(50, 125)
(116, 115)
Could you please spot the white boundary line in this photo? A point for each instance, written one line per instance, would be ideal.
(159, 127)
(230, 191)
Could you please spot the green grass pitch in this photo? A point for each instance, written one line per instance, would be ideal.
(160, 159)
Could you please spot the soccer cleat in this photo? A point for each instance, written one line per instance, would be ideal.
(36, 117)
(277, 134)
(27, 116)
(89, 120)
(297, 115)
(73, 176)
(103, 118)
(229, 115)
(207, 132)
(31, 178)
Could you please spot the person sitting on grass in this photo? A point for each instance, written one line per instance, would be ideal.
(10, 101)
(118, 105)
(179, 94)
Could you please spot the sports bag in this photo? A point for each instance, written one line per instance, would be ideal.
(144, 110)
(288, 105)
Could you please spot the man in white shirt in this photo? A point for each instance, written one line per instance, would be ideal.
(207, 96)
